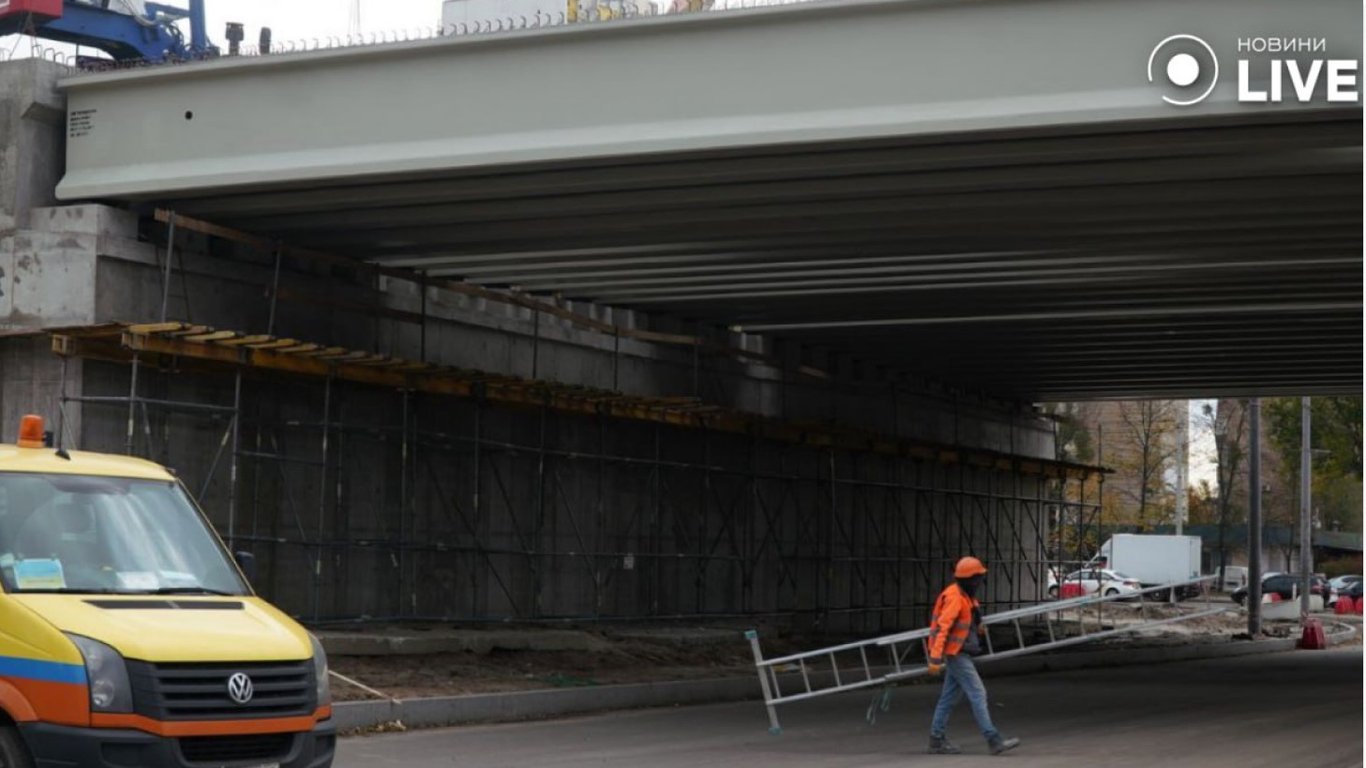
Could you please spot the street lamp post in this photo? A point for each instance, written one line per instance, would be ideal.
(1306, 481)
(1220, 434)
(1254, 520)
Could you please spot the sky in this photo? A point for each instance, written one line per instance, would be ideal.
(1202, 455)
(305, 19)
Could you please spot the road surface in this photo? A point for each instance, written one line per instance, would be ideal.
(1301, 709)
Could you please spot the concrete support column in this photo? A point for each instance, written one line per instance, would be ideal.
(32, 115)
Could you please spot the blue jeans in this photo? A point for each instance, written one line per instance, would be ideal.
(961, 678)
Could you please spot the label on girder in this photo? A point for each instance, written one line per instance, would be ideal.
(79, 122)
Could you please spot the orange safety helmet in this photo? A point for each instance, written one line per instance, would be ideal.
(968, 567)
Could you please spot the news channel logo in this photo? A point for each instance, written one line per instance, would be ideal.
(1186, 66)
(1269, 69)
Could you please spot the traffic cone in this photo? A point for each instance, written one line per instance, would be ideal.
(1356, 605)
(1312, 638)
(1344, 606)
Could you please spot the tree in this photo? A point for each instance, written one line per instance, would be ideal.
(1150, 432)
(1203, 503)
(1282, 530)
(1073, 440)
(1337, 502)
(1229, 425)
(1335, 425)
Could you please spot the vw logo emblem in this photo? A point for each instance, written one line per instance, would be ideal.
(239, 688)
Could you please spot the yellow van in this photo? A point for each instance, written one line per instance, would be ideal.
(130, 638)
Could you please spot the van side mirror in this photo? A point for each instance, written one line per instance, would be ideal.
(247, 562)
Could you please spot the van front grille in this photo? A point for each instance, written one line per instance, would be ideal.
(217, 750)
(199, 691)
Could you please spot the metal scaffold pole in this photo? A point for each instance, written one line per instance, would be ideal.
(233, 459)
(322, 499)
(166, 274)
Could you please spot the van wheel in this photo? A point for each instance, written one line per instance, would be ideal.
(13, 753)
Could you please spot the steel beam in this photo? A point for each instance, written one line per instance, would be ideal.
(823, 72)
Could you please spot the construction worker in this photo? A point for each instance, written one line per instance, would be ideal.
(955, 637)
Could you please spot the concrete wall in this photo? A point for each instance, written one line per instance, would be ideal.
(46, 279)
(32, 118)
(495, 513)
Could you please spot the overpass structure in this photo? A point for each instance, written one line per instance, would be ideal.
(990, 192)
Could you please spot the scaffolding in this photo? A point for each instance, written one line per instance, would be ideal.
(377, 488)
(373, 487)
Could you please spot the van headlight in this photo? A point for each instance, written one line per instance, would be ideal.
(106, 675)
(320, 672)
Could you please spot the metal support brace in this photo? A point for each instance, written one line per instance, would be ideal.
(166, 273)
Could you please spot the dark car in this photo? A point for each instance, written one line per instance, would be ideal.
(1353, 590)
(1287, 585)
(1283, 584)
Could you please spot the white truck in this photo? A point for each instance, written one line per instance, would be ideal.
(1153, 559)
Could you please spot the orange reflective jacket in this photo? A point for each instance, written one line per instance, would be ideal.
(950, 623)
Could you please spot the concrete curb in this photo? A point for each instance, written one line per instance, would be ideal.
(1337, 633)
(525, 705)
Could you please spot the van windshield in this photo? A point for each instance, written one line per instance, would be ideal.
(76, 533)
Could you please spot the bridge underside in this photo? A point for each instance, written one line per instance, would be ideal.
(1094, 243)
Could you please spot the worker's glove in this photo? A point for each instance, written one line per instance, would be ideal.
(936, 667)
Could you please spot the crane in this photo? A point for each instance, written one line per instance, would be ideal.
(127, 30)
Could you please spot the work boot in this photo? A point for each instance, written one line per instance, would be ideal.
(998, 744)
(940, 745)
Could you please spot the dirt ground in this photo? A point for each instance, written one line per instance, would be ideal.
(631, 659)
(650, 654)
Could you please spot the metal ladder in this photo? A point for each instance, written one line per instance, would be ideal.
(821, 673)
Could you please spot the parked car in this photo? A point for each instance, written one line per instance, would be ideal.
(1341, 583)
(1103, 581)
(1340, 586)
(1286, 585)
(1350, 589)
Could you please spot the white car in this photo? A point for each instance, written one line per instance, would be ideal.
(1339, 585)
(1103, 581)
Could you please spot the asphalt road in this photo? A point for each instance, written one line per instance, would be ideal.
(1300, 709)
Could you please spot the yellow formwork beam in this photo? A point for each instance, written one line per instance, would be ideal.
(181, 342)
